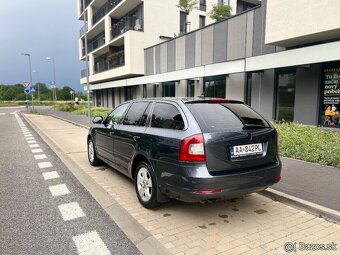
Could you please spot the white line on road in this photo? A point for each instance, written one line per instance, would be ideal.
(29, 138)
(71, 211)
(44, 165)
(34, 145)
(59, 190)
(33, 141)
(90, 243)
(28, 135)
(1, 113)
(50, 175)
(37, 151)
(40, 156)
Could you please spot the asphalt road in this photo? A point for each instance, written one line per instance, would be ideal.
(43, 207)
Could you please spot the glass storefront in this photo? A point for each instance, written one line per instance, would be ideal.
(330, 95)
(286, 82)
(168, 89)
(215, 86)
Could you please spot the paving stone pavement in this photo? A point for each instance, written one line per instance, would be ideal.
(253, 224)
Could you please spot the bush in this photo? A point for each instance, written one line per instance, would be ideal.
(313, 144)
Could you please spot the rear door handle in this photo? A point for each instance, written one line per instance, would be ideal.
(136, 137)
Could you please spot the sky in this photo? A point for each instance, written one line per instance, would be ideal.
(42, 28)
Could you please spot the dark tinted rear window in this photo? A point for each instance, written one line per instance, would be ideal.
(166, 116)
(137, 114)
(223, 117)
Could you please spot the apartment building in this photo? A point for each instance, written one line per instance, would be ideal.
(284, 63)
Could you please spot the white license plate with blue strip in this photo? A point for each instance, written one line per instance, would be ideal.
(246, 150)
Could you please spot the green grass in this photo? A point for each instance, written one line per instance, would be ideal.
(313, 144)
(81, 109)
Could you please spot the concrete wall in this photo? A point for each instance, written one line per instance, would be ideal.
(292, 22)
(307, 91)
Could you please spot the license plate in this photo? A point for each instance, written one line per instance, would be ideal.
(246, 150)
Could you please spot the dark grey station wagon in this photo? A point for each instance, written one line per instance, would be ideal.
(191, 149)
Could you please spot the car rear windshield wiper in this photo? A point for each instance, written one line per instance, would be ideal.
(253, 126)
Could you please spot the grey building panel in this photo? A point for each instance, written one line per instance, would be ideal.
(237, 37)
(307, 92)
(235, 86)
(257, 34)
(198, 48)
(207, 45)
(262, 94)
(180, 52)
(158, 59)
(249, 35)
(164, 57)
(220, 42)
(190, 50)
(148, 61)
(171, 55)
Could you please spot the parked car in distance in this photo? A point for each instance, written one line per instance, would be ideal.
(190, 149)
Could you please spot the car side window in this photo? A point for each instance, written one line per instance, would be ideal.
(137, 114)
(116, 115)
(167, 116)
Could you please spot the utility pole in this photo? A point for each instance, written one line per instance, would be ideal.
(30, 70)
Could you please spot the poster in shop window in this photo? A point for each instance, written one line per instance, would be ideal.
(330, 97)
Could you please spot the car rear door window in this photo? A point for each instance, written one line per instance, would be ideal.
(223, 117)
(167, 116)
(137, 114)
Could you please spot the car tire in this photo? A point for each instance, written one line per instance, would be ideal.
(92, 154)
(146, 186)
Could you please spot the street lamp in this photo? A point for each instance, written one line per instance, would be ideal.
(53, 86)
(36, 83)
(30, 70)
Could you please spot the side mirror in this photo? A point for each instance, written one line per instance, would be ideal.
(97, 120)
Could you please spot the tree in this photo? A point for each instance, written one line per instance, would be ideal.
(220, 12)
(186, 5)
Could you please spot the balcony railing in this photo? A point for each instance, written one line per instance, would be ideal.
(126, 24)
(83, 30)
(96, 42)
(113, 61)
(83, 73)
(105, 9)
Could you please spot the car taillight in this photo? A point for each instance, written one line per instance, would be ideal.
(192, 149)
(218, 101)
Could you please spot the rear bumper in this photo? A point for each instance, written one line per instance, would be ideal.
(184, 183)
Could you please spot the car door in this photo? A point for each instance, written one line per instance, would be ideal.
(130, 133)
(104, 134)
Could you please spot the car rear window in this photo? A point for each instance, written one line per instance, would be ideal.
(226, 116)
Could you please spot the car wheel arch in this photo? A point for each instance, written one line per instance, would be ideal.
(137, 159)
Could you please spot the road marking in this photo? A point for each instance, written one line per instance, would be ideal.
(59, 190)
(40, 156)
(37, 150)
(71, 211)
(50, 175)
(90, 243)
(28, 135)
(34, 141)
(29, 138)
(34, 145)
(44, 165)
(1, 113)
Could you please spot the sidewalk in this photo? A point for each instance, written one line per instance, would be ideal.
(307, 181)
(253, 224)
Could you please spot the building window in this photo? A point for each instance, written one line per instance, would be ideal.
(286, 82)
(99, 98)
(128, 93)
(190, 88)
(243, 5)
(113, 97)
(215, 86)
(330, 95)
(155, 90)
(182, 22)
(203, 5)
(202, 21)
(145, 93)
(168, 89)
(249, 82)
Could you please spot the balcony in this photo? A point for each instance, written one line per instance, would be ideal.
(97, 42)
(83, 30)
(105, 9)
(115, 60)
(125, 24)
(87, 2)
